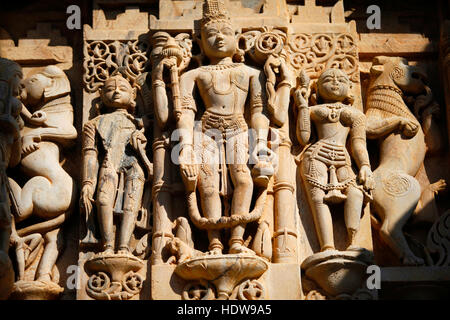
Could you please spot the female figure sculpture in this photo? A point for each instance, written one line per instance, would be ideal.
(326, 165)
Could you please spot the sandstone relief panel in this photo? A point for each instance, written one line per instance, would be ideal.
(221, 150)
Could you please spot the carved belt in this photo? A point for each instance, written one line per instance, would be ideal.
(333, 156)
(228, 125)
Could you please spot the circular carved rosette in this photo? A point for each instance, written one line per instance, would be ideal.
(132, 282)
(322, 45)
(251, 290)
(99, 282)
(247, 40)
(396, 185)
(300, 43)
(198, 291)
(345, 44)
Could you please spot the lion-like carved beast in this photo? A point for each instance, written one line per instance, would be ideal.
(402, 148)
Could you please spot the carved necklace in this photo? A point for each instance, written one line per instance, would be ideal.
(221, 66)
(388, 87)
(335, 111)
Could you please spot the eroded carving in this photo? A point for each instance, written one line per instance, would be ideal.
(50, 192)
(10, 149)
(116, 167)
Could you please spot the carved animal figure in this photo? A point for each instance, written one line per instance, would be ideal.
(50, 192)
(402, 148)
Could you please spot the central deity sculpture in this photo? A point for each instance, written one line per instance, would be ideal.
(225, 87)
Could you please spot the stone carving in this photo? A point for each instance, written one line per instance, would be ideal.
(50, 192)
(223, 86)
(312, 53)
(10, 146)
(169, 57)
(326, 164)
(389, 119)
(439, 240)
(326, 169)
(115, 165)
(103, 56)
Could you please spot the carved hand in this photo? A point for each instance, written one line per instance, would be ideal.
(138, 140)
(86, 199)
(365, 177)
(263, 153)
(188, 166)
(38, 118)
(287, 74)
(158, 70)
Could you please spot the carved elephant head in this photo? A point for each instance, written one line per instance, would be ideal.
(44, 86)
(396, 70)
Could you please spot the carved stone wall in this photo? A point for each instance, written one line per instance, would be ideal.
(343, 131)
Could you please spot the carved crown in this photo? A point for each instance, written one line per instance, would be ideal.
(214, 10)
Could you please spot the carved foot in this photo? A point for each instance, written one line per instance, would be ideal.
(214, 251)
(239, 248)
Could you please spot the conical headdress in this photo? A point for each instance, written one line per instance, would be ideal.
(214, 10)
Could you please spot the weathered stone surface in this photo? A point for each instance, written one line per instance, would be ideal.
(224, 149)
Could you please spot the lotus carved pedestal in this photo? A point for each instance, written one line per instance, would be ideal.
(225, 272)
(114, 276)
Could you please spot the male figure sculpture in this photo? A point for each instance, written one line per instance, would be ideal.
(326, 165)
(114, 163)
(224, 88)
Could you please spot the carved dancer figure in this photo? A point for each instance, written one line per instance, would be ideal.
(224, 88)
(402, 148)
(10, 146)
(50, 192)
(114, 163)
(326, 165)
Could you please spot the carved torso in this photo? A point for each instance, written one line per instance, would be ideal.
(114, 131)
(333, 122)
(224, 88)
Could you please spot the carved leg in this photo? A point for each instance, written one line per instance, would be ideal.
(105, 201)
(208, 186)
(322, 218)
(162, 197)
(395, 202)
(134, 189)
(352, 214)
(53, 245)
(24, 197)
(242, 197)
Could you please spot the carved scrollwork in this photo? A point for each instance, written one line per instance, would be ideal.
(317, 52)
(311, 52)
(101, 58)
(251, 290)
(439, 239)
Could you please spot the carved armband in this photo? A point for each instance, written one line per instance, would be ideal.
(188, 103)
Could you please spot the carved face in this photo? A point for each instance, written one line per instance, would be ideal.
(118, 93)
(33, 89)
(218, 40)
(333, 85)
(408, 78)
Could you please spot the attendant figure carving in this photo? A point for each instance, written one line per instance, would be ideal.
(326, 165)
